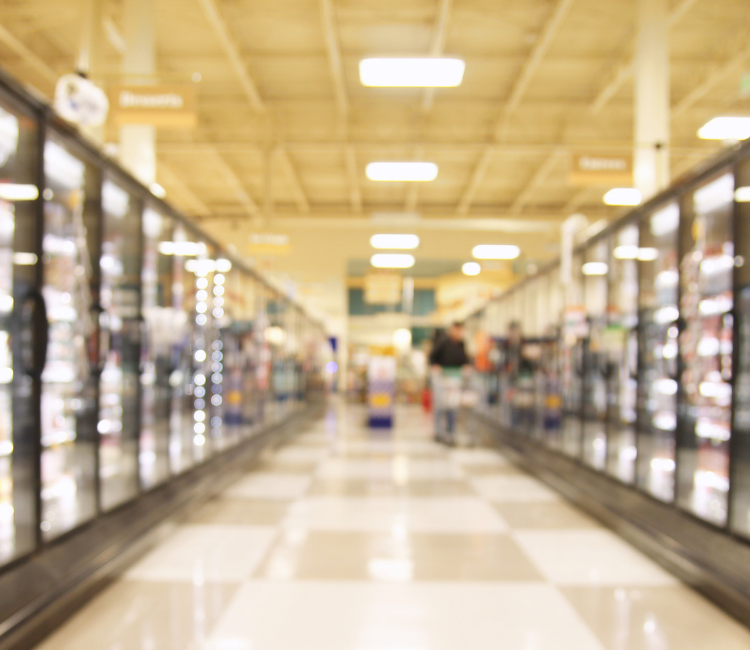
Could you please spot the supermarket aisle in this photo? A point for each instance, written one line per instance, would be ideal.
(351, 540)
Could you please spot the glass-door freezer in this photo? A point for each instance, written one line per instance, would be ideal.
(658, 348)
(706, 350)
(20, 305)
(121, 328)
(69, 391)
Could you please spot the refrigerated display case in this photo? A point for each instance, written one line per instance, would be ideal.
(739, 519)
(121, 329)
(597, 369)
(110, 363)
(69, 392)
(164, 323)
(574, 339)
(19, 305)
(620, 343)
(658, 350)
(706, 349)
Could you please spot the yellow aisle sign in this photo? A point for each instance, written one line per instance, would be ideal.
(172, 106)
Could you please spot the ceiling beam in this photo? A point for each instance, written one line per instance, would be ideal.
(624, 71)
(227, 43)
(298, 192)
(679, 11)
(577, 200)
(28, 57)
(477, 176)
(412, 189)
(231, 179)
(437, 44)
(494, 224)
(536, 180)
(714, 76)
(179, 190)
(560, 10)
(334, 55)
(706, 148)
(352, 175)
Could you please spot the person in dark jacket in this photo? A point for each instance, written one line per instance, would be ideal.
(448, 360)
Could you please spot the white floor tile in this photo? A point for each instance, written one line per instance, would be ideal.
(269, 485)
(325, 616)
(401, 469)
(590, 557)
(316, 438)
(450, 514)
(513, 489)
(478, 457)
(301, 454)
(206, 554)
(349, 446)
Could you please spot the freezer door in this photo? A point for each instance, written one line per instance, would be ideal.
(20, 314)
(70, 377)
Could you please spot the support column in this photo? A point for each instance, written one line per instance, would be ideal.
(89, 54)
(652, 110)
(138, 141)
(89, 59)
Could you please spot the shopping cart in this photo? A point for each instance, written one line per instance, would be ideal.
(453, 398)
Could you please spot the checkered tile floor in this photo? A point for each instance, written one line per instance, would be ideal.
(347, 539)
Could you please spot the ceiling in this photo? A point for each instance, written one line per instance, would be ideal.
(286, 129)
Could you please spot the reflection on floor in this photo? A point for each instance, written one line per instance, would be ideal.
(352, 540)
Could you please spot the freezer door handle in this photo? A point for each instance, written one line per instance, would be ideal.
(35, 335)
(103, 336)
(144, 335)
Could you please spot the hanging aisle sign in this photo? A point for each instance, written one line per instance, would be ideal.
(598, 169)
(80, 101)
(383, 288)
(172, 106)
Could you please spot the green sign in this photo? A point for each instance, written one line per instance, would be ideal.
(745, 85)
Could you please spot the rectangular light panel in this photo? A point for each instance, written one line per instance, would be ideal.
(726, 128)
(15, 192)
(595, 268)
(396, 242)
(623, 196)
(411, 72)
(392, 261)
(495, 252)
(402, 171)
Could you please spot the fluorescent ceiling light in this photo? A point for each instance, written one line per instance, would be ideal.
(623, 196)
(726, 128)
(402, 171)
(471, 268)
(157, 190)
(595, 268)
(24, 259)
(632, 252)
(742, 194)
(627, 252)
(495, 252)
(412, 72)
(398, 242)
(14, 192)
(648, 254)
(223, 265)
(392, 261)
(182, 248)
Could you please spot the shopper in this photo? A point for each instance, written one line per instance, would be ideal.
(449, 362)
